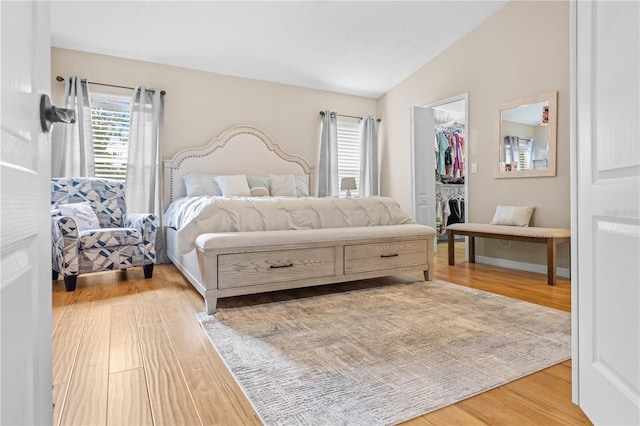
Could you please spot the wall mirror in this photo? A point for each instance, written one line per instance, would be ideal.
(526, 137)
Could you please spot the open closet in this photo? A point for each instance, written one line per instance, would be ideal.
(449, 147)
(439, 151)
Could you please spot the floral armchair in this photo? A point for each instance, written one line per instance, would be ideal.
(111, 239)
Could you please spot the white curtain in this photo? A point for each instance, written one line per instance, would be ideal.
(144, 172)
(72, 144)
(328, 164)
(368, 157)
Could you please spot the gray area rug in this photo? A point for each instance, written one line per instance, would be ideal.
(383, 355)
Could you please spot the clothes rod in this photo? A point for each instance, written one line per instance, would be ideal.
(350, 116)
(162, 92)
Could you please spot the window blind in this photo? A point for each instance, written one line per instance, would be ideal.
(349, 152)
(110, 117)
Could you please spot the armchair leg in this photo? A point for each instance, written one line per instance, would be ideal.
(54, 274)
(70, 282)
(148, 270)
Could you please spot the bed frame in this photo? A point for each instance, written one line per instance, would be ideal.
(229, 264)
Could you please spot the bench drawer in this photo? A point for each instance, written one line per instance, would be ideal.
(380, 256)
(244, 269)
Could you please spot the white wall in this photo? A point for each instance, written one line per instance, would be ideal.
(200, 105)
(521, 50)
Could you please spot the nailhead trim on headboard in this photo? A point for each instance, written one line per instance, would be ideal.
(221, 141)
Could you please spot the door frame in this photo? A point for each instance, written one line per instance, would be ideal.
(461, 97)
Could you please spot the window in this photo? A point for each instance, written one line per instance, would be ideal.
(110, 117)
(349, 152)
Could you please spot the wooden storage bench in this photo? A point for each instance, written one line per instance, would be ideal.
(549, 236)
(236, 263)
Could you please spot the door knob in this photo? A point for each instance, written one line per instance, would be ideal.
(50, 114)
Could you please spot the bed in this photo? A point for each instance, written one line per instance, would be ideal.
(228, 246)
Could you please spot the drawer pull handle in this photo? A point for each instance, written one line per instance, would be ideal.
(389, 255)
(289, 265)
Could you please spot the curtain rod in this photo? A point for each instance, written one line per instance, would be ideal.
(162, 92)
(350, 116)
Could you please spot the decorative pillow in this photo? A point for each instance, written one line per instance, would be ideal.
(513, 215)
(200, 184)
(82, 213)
(283, 186)
(259, 191)
(233, 185)
(260, 181)
(302, 189)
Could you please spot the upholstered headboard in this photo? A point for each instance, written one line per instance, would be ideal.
(239, 150)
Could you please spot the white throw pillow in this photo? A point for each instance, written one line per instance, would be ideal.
(82, 213)
(513, 215)
(260, 181)
(233, 185)
(302, 187)
(200, 184)
(259, 191)
(283, 186)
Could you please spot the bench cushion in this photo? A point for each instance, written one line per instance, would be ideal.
(255, 238)
(533, 231)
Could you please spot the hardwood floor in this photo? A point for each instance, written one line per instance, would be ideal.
(129, 351)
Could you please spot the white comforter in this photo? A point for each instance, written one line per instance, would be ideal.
(192, 216)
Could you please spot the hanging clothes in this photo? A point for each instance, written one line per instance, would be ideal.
(439, 219)
(456, 205)
(461, 150)
(443, 144)
(438, 153)
(446, 212)
(457, 163)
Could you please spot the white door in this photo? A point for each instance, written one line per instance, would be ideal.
(25, 247)
(423, 167)
(606, 210)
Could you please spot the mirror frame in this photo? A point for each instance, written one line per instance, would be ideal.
(550, 170)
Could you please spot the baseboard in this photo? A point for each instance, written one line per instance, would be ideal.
(523, 266)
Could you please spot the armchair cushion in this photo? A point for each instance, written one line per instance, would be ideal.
(109, 237)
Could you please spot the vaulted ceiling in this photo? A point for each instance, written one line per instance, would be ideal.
(360, 48)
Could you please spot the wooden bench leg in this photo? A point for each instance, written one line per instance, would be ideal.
(451, 247)
(551, 261)
(472, 249)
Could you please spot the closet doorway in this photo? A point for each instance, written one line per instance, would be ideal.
(439, 146)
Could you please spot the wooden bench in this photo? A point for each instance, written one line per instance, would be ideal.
(549, 236)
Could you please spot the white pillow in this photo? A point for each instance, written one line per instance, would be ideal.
(259, 191)
(262, 181)
(200, 184)
(283, 186)
(82, 213)
(513, 215)
(233, 185)
(302, 188)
